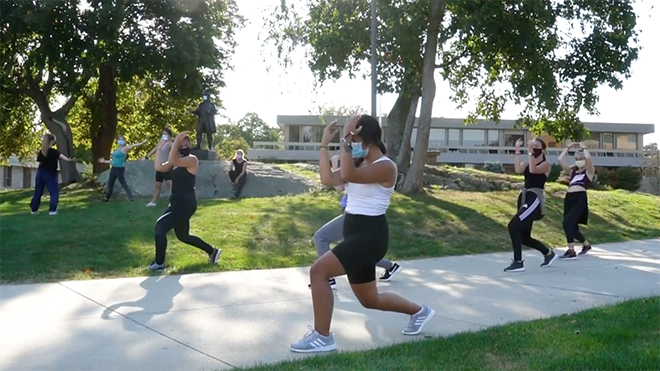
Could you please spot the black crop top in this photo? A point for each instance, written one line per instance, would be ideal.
(183, 182)
(535, 180)
(579, 178)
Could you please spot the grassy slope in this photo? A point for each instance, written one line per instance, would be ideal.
(620, 337)
(90, 239)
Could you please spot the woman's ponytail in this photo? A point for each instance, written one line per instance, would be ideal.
(45, 143)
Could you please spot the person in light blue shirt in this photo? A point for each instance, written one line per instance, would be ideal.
(117, 171)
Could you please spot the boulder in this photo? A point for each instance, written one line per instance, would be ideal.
(213, 180)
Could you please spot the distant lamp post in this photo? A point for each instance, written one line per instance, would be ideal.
(374, 77)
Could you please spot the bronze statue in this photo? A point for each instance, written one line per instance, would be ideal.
(205, 121)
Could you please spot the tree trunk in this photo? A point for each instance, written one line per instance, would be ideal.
(396, 121)
(104, 116)
(414, 180)
(403, 159)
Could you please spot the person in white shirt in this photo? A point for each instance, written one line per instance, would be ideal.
(369, 187)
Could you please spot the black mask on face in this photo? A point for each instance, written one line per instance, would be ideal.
(537, 152)
(184, 151)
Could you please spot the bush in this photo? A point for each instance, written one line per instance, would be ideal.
(555, 172)
(629, 178)
(227, 147)
(494, 167)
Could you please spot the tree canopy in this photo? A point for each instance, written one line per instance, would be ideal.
(548, 56)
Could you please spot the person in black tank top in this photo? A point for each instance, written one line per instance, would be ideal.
(576, 204)
(48, 158)
(531, 205)
(238, 172)
(183, 169)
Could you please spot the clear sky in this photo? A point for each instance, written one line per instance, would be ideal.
(251, 87)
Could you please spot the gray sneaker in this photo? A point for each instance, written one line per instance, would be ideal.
(314, 342)
(418, 320)
(156, 267)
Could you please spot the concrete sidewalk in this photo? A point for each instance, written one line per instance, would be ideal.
(220, 320)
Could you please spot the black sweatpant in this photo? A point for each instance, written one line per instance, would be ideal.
(241, 182)
(576, 212)
(177, 216)
(520, 226)
(117, 173)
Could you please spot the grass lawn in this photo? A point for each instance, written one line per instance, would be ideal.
(620, 337)
(90, 239)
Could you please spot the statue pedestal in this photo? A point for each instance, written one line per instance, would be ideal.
(203, 154)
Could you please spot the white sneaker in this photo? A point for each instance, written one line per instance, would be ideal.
(52, 213)
(34, 212)
(151, 204)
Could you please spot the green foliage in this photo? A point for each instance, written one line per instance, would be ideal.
(492, 53)
(629, 178)
(19, 133)
(227, 147)
(254, 129)
(555, 172)
(494, 167)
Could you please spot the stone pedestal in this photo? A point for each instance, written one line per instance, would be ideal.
(203, 154)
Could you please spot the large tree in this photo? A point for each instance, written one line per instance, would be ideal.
(548, 56)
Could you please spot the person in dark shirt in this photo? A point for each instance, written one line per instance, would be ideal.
(238, 172)
(48, 158)
(183, 168)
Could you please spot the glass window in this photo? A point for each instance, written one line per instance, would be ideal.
(454, 137)
(608, 141)
(8, 176)
(474, 137)
(437, 138)
(593, 141)
(626, 142)
(551, 142)
(494, 138)
(294, 133)
(510, 138)
(312, 134)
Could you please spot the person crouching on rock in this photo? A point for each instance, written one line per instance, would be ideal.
(117, 172)
(183, 168)
(238, 172)
(160, 176)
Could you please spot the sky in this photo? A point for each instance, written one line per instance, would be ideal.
(259, 84)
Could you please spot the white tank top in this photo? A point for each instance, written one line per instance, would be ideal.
(369, 199)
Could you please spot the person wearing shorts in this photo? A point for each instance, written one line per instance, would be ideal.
(161, 177)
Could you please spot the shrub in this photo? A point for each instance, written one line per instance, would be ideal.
(629, 178)
(494, 167)
(555, 172)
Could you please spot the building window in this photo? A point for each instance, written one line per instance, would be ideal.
(608, 141)
(510, 138)
(493, 138)
(593, 141)
(551, 142)
(454, 137)
(626, 141)
(294, 133)
(8, 176)
(312, 134)
(437, 138)
(474, 137)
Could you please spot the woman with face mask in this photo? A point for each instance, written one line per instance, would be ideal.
(369, 188)
(576, 204)
(238, 172)
(117, 172)
(332, 232)
(48, 158)
(183, 168)
(160, 176)
(531, 204)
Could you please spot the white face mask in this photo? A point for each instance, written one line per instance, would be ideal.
(239, 156)
(165, 137)
(204, 97)
(580, 163)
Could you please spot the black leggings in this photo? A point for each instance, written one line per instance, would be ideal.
(575, 213)
(178, 216)
(364, 245)
(241, 182)
(117, 173)
(520, 226)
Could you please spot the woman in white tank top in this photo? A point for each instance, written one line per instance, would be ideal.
(369, 188)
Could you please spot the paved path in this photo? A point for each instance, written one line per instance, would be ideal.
(220, 320)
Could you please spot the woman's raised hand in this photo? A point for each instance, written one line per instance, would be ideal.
(329, 132)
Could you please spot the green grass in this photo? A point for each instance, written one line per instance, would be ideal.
(90, 239)
(622, 337)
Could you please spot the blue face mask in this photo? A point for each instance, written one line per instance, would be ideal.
(121, 142)
(357, 151)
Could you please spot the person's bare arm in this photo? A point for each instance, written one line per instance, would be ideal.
(64, 158)
(562, 159)
(538, 169)
(104, 161)
(328, 177)
(126, 149)
(518, 165)
(591, 170)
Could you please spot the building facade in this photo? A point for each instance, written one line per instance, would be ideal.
(17, 174)
(611, 144)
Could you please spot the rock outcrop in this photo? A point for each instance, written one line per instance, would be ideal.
(213, 182)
